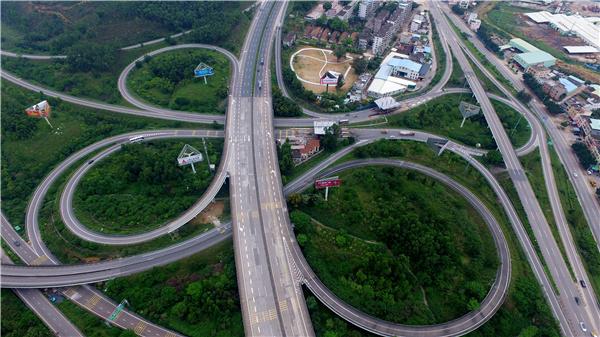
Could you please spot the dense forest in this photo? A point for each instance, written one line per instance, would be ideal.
(18, 321)
(56, 27)
(398, 245)
(196, 296)
(141, 186)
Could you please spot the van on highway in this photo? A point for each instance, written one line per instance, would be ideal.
(259, 84)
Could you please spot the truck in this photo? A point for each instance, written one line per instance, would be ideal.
(406, 133)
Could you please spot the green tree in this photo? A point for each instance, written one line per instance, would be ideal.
(286, 162)
(360, 65)
(493, 158)
(329, 140)
(339, 51)
(87, 57)
(327, 6)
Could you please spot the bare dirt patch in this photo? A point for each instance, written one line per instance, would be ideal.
(309, 65)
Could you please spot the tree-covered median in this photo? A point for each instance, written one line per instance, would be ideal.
(397, 245)
(167, 80)
(141, 186)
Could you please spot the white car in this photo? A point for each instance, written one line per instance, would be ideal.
(575, 174)
(582, 326)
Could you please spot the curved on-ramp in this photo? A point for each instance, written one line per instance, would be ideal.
(460, 326)
(80, 230)
(122, 82)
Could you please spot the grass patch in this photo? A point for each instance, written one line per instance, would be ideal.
(167, 80)
(439, 53)
(18, 320)
(525, 307)
(457, 78)
(196, 296)
(141, 186)
(441, 116)
(533, 168)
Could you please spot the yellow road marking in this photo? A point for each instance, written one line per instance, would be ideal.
(139, 328)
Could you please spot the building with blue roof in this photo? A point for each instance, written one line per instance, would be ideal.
(569, 86)
(405, 68)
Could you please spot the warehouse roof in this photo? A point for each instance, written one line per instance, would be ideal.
(408, 64)
(385, 103)
(535, 57)
(569, 86)
(581, 49)
(595, 124)
(523, 45)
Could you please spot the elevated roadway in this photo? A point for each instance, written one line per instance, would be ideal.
(587, 200)
(568, 319)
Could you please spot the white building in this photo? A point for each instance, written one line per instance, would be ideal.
(365, 8)
(382, 39)
(320, 126)
(587, 28)
(386, 82)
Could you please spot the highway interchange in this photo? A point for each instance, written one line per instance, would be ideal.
(275, 265)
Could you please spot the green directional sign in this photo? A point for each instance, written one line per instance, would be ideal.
(117, 311)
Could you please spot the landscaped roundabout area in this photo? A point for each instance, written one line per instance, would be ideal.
(168, 80)
(397, 245)
(139, 188)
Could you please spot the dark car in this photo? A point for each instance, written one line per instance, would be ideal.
(90, 162)
(17, 243)
(577, 300)
(582, 282)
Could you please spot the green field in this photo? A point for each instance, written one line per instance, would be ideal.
(167, 80)
(30, 148)
(196, 296)
(398, 245)
(18, 320)
(525, 308)
(141, 186)
(442, 117)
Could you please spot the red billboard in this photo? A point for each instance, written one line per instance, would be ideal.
(329, 182)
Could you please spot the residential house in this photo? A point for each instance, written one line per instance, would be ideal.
(289, 39)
